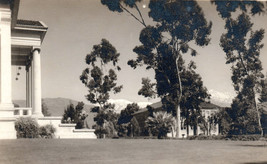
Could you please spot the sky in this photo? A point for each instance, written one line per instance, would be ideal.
(74, 26)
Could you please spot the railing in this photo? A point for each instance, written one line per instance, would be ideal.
(22, 112)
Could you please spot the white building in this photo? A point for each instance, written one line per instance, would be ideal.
(207, 110)
(20, 45)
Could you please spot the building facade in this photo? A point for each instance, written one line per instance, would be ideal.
(20, 45)
(206, 128)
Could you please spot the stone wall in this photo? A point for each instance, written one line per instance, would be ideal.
(66, 130)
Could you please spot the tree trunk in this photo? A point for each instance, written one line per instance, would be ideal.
(187, 130)
(187, 123)
(258, 112)
(178, 122)
(179, 95)
(173, 131)
(195, 130)
(104, 135)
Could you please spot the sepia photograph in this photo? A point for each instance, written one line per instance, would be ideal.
(133, 81)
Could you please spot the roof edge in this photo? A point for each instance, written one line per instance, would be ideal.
(15, 10)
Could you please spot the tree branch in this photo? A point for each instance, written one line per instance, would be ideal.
(242, 62)
(141, 16)
(132, 15)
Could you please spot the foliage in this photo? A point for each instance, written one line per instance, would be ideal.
(123, 130)
(245, 120)
(194, 93)
(26, 128)
(100, 83)
(177, 23)
(242, 46)
(244, 137)
(45, 110)
(127, 124)
(160, 124)
(106, 123)
(126, 114)
(148, 88)
(47, 131)
(226, 8)
(207, 124)
(75, 115)
(263, 94)
(99, 131)
(228, 137)
(69, 114)
(205, 137)
(223, 119)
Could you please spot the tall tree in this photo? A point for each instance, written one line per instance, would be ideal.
(194, 94)
(242, 46)
(99, 81)
(177, 23)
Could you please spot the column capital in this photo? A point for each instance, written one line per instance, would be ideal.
(36, 49)
(5, 16)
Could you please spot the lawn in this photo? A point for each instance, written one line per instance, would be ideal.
(123, 151)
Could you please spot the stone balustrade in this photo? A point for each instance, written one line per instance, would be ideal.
(22, 112)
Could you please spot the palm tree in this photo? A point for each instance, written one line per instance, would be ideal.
(160, 124)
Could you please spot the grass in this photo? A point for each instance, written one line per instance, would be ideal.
(44, 151)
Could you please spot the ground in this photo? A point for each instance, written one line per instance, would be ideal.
(40, 151)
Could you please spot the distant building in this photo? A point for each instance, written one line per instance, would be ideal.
(264, 118)
(207, 109)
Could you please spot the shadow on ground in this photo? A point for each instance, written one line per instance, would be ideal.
(263, 145)
(265, 162)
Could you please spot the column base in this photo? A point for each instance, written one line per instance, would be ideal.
(7, 110)
(7, 128)
(37, 115)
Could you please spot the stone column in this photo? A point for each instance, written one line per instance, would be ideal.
(28, 84)
(37, 94)
(7, 130)
(31, 86)
(27, 87)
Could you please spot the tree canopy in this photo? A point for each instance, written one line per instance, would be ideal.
(177, 24)
(100, 82)
(242, 45)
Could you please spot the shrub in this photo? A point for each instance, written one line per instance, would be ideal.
(205, 137)
(75, 115)
(229, 137)
(26, 128)
(47, 131)
(244, 137)
(100, 131)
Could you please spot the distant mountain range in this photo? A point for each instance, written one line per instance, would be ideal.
(223, 99)
(56, 107)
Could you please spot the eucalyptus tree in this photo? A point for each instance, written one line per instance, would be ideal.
(100, 79)
(177, 23)
(242, 45)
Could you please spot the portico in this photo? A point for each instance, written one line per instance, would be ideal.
(20, 45)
